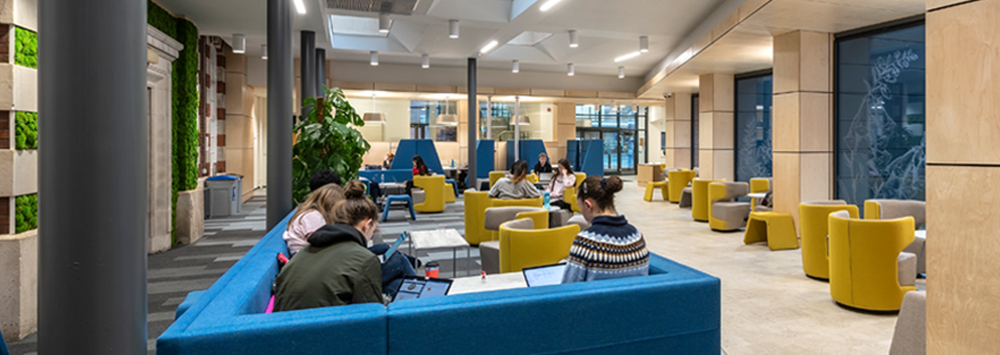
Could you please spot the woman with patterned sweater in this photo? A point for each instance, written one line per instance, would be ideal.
(611, 247)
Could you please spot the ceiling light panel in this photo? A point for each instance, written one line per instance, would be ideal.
(357, 26)
(627, 56)
(396, 7)
(549, 4)
(488, 47)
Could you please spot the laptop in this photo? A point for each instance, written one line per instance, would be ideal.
(414, 287)
(544, 177)
(544, 275)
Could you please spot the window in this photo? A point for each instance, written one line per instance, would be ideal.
(753, 126)
(879, 113)
(623, 130)
(423, 120)
(695, 111)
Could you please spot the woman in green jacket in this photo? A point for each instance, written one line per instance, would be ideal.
(336, 268)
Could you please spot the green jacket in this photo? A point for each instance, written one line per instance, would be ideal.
(335, 269)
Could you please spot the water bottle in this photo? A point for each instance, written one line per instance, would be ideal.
(546, 200)
(453, 163)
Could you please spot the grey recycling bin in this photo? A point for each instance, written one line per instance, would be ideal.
(224, 196)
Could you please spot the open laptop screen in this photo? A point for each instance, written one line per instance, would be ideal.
(544, 275)
(414, 287)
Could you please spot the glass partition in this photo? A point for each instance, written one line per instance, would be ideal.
(753, 127)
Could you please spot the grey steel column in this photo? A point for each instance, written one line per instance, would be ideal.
(279, 110)
(473, 125)
(320, 71)
(307, 66)
(92, 177)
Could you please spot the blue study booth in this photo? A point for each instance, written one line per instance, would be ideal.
(530, 148)
(402, 166)
(585, 156)
(485, 159)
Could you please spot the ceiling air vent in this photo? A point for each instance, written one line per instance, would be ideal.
(396, 7)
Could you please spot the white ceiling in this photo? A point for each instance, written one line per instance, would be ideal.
(607, 29)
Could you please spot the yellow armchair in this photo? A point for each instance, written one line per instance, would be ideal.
(865, 259)
(449, 193)
(532, 178)
(496, 175)
(569, 193)
(758, 185)
(522, 246)
(724, 212)
(814, 230)
(680, 179)
(699, 199)
(434, 190)
(476, 203)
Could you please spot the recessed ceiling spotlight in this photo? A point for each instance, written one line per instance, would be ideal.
(425, 61)
(263, 49)
(517, 66)
(574, 39)
(300, 7)
(548, 5)
(452, 28)
(570, 69)
(488, 47)
(621, 72)
(374, 58)
(239, 43)
(644, 44)
(383, 23)
(627, 57)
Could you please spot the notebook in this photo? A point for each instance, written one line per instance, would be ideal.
(544, 275)
(414, 287)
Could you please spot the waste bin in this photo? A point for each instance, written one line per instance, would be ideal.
(223, 195)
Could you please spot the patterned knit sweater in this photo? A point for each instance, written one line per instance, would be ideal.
(610, 248)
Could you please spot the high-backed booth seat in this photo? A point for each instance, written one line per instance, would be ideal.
(910, 335)
(434, 191)
(813, 225)
(868, 269)
(523, 245)
(724, 213)
(675, 309)
(679, 179)
(892, 209)
(489, 251)
(699, 198)
(476, 203)
(569, 193)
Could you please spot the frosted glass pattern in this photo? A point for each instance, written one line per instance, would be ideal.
(753, 127)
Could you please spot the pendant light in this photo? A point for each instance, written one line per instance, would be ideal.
(239, 43)
(574, 39)
(447, 119)
(374, 58)
(644, 44)
(383, 23)
(452, 29)
(518, 119)
(621, 72)
(373, 116)
(425, 61)
(517, 67)
(263, 49)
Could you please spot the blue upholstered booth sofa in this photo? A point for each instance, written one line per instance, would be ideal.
(673, 310)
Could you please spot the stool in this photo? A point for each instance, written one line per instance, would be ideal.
(774, 227)
(450, 183)
(652, 185)
(398, 198)
(685, 201)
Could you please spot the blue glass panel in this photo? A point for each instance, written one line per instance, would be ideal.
(880, 116)
(753, 127)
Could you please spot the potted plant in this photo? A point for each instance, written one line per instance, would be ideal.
(326, 138)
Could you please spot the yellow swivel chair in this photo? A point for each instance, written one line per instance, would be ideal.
(724, 212)
(866, 265)
(522, 246)
(434, 191)
(758, 185)
(496, 216)
(813, 223)
(476, 203)
(569, 194)
(699, 199)
(891, 209)
(681, 179)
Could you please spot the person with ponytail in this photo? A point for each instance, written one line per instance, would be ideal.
(315, 212)
(516, 186)
(562, 179)
(336, 268)
(611, 247)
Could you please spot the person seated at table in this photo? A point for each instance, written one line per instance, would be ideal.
(419, 169)
(561, 179)
(315, 212)
(611, 247)
(516, 186)
(336, 268)
(387, 163)
(542, 166)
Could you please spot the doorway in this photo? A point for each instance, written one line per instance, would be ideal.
(621, 129)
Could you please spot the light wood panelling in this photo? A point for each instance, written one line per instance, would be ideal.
(565, 133)
(723, 165)
(934, 4)
(615, 95)
(500, 91)
(682, 107)
(668, 135)
(705, 164)
(581, 94)
(706, 92)
(728, 23)
(750, 7)
(552, 93)
(963, 246)
(814, 176)
(395, 87)
(682, 158)
(814, 122)
(723, 136)
(814, 61)
(464, 89)
(786, 62)
(351, 85)
(786, 183)
(963, 97)
(705, 126)
(785, 127)
(682, 134)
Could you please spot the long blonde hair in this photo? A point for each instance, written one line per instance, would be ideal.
(321, 200)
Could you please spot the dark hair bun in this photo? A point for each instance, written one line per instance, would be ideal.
(354, 189)
(613, 185)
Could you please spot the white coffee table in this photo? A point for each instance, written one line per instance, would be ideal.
(757, 195)
(495, 282)
(440, 239)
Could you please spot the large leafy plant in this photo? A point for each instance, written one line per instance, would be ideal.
(326, 138)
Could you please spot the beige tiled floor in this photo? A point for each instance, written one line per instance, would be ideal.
(769, 306)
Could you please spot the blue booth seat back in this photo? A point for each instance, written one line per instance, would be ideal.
(530, 148)
(407, 148)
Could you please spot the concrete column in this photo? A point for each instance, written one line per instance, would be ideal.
(716, 158)
(307, 60)
(279, 110)
(473, 122)
(963, 169)
(92, 247)
(678, 131)
(803, 124)
(320, 71)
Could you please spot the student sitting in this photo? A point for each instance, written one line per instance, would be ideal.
(515, 187)
(336, 268)
(562, 179)
(542, 166)
(611, 247)
(315, 212)
(419, 169)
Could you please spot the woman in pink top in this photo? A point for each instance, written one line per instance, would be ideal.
(562, 179)
(315, 212)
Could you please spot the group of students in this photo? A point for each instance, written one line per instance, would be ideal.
(332, 263)
(516, 185)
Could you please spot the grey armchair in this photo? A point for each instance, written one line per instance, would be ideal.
(892, 209)
(725, 213)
